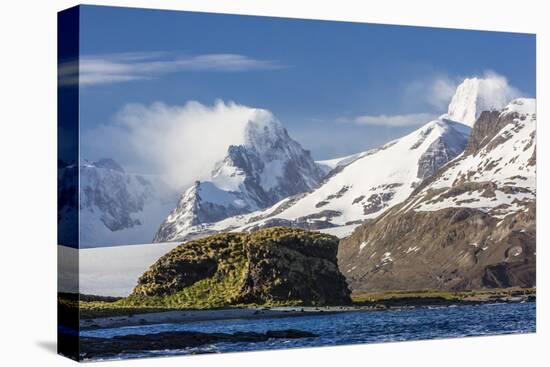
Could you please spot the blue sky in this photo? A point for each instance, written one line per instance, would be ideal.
(318, 77)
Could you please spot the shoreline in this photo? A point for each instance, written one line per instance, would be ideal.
(253, 313)
(188, 316)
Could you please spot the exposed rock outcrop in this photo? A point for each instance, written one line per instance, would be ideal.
(271, 266)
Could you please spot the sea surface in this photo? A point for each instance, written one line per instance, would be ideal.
(351, 327)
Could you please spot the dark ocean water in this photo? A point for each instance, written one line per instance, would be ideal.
(352, 327)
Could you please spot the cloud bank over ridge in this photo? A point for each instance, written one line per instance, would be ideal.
(183, 143)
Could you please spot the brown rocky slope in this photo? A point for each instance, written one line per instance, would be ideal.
(450, 249)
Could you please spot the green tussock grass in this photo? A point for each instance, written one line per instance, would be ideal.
(217, 290)
(214, 292)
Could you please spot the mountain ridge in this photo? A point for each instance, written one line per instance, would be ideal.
(337, 203)
(471, 225)
(114, 207)
(359, 187)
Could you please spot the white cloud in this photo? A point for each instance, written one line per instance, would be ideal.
(435, 91)
(496, 91)
(114, 68)
(181, 142)
(411, 119)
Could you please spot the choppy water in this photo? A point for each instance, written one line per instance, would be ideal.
(352, 327)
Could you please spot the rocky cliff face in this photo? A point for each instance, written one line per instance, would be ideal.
(272, 266)
(267, 168)
(441, 150)
(471, 225)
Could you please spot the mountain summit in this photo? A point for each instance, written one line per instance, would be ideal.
(114, 207)
(268, 167)
(475, 95)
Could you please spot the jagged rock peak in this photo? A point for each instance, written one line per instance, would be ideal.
(490, 123)
(262, 129)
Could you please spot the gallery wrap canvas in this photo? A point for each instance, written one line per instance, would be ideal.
(233, 183)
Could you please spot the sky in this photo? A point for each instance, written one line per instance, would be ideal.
(339, 88)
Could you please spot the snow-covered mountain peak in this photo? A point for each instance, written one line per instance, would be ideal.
(475, 95)
(463, 106)
(497, 171)
(261, 120)
(114, 207)
(267, 167)
(264, 132)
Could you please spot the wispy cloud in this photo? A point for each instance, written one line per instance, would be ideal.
(410, 119)
(436, 90)
(496, 91)
(123, 67)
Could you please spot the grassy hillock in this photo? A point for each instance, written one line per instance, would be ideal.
(272, 267)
